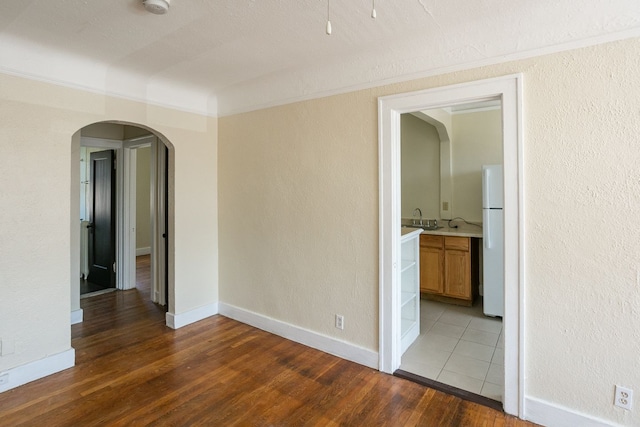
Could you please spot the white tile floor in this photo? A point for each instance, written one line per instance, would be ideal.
(458, 346)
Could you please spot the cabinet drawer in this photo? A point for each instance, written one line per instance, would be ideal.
(431, 241)
(457, 243)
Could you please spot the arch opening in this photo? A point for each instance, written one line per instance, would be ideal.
(141, 212)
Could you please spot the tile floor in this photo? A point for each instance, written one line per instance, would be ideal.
(458, 346)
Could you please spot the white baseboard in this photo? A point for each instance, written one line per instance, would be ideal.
(551, 415)
(77, 316)
(300, 335)
(143, 251)
(38, 369)
(175, 321)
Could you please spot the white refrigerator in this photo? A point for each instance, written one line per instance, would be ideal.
(493, 240)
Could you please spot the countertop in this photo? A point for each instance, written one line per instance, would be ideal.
(461, 231)
(405, 231)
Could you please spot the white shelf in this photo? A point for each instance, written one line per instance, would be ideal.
(406, 297)
(406, 326)
(409, 289)
(406, 264)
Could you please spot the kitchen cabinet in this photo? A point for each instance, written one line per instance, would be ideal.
(449, 268)
(409, 289)
(432, 263)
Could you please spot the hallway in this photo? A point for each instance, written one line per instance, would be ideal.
(143, 279)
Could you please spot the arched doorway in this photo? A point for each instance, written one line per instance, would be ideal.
(137, 150)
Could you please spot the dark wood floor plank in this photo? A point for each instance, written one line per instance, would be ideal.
(131, 370)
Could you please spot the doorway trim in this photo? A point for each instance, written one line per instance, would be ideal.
(116, 145)
(128, 263)
(509, 90)
(126, 213)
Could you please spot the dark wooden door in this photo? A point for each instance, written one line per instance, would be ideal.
(102, 214)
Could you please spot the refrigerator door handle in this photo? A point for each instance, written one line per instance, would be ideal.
(486, 228)
(486, 187)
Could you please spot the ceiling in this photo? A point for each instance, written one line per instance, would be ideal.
(224, 56)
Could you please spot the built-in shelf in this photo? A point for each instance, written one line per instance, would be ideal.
(406, 264)
(406, 298)
(406, 326)
(409, 289)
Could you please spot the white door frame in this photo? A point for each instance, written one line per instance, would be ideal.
(159, 260)
(509, 90)
(117, 146)
(128, 261)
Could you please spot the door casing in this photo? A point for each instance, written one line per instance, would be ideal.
(102, 217)
(509, 90)
(158, 221)
(126, 213)
(116, 145)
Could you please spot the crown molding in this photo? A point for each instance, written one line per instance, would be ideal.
(82, 74)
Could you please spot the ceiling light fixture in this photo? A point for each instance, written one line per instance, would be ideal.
(373, 14)
(158, 7)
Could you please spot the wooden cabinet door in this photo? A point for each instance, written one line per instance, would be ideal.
(431, 273)
(457, 280)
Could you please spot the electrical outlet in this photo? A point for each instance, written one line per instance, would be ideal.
(624, 398)
(445, 206)
(4, 379)
(339, 321)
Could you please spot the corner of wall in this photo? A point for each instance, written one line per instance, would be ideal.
(176, 321)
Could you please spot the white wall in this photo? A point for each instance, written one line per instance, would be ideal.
(299, 219)
(420, 162)
(40, 204)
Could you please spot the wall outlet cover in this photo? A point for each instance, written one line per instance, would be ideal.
(623, 398)
(339, 321)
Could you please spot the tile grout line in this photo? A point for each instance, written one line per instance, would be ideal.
(449, 320)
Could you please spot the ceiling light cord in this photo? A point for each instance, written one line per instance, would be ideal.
(328, 29)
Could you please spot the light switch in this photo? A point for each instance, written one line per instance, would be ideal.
(445, 206)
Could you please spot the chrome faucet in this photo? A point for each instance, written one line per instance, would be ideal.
(414, 216)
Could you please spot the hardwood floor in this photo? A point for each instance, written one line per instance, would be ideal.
(132, 370)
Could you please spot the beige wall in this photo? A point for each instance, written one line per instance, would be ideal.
(298, 214)
(420, 165)
(104, 131)
(298, 200)
(143, 194)
(476, 141)
(40, 204)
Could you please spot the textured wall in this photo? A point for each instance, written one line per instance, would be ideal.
(298, 214)
(299, 218)
(420, 164)
(40, 203)
(476, 141)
